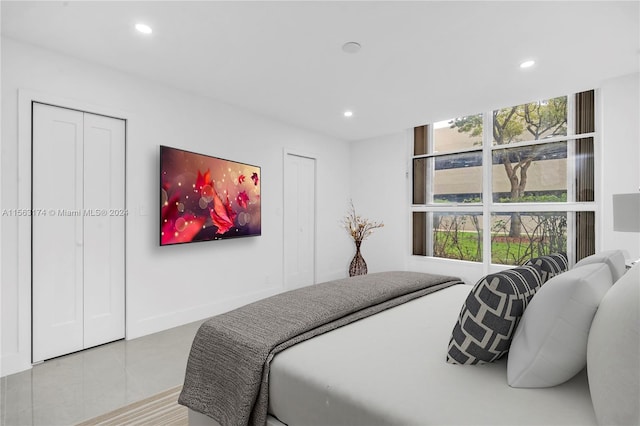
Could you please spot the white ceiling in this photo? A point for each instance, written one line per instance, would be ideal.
(420, 61)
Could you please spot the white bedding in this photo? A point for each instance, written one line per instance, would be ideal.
(391, 369)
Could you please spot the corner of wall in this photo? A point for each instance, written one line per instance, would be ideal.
(620, 156)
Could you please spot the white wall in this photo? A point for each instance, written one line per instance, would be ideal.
(379, 188)
(388, 197)
(166, 286)
(620, 156)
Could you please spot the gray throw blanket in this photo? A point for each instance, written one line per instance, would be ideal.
(228, 367)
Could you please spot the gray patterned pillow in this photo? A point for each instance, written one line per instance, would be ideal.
(550, 265)
(490, 314)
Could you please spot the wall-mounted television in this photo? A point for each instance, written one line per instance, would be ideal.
(204, 198)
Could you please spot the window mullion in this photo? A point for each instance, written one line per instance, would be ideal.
(571, 145)
(446, 153)
(543, 207)
(571, 176)
(545, 141)
(430, 171)
(487, 191)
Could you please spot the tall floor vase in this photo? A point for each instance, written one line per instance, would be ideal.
(358, 266)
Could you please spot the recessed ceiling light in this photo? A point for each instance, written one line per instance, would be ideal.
(527, 64)
(144, 29)
(351, 47)
(348, 113)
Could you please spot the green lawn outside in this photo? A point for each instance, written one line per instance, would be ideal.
(504, 250)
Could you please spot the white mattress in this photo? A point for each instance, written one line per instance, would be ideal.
(391, 369)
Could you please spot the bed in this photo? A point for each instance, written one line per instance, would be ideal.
(389, 369)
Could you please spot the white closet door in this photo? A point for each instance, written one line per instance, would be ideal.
(77, 230)
(57, 234)
(104, 218)
(299, 219)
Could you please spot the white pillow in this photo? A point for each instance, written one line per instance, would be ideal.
(613, 354)
(550, 344)
(613, 258)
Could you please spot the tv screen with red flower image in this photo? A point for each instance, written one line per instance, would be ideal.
(205, 198)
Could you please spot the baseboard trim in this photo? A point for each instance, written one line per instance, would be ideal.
(165, 321)
(13, 363)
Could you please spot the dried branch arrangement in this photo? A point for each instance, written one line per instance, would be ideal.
(358, 227)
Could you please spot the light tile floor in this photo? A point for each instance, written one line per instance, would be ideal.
(77, 387)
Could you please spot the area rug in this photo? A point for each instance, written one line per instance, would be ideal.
(161, 409)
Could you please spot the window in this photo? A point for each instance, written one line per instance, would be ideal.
(524, 173)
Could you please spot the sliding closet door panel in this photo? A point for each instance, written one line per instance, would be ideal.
(104, 207)
(57, 231)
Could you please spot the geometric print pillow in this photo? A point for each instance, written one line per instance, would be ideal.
(550, 265)
(490, 315)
